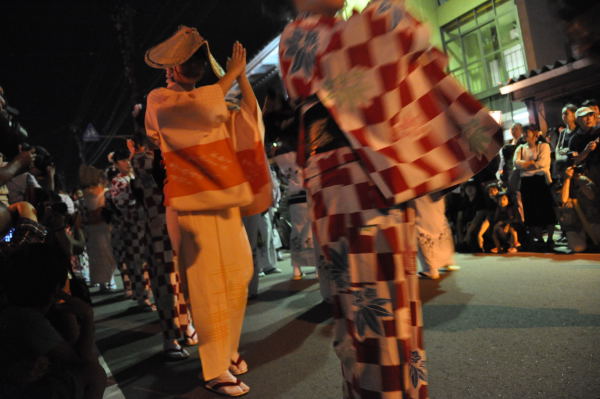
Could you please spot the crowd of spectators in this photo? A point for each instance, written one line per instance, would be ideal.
(46, 320)
(541, 192)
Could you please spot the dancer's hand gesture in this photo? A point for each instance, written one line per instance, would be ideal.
(236, 64)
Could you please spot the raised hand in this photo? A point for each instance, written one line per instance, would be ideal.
(236, 64)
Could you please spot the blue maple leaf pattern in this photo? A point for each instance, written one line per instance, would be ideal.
(417, 369)
(301, 47)
(395, 10)
(370, 308)
(337, 268)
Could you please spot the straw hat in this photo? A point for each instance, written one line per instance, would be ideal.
(178, 49)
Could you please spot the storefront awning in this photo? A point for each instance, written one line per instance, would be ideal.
(562, 79)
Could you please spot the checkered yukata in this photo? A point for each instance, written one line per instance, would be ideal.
(117, 235)
(172, 308)
(133, 236)
(409, 130)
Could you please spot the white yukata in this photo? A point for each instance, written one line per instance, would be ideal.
(434, 236)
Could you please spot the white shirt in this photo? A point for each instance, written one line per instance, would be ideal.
(540, 154)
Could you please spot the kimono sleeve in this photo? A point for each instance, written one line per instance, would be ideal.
(121, 193)
(247, 133)
(414, 127)
(150, 121)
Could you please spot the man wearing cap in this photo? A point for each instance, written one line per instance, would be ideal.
(584, 143)
(216, 173)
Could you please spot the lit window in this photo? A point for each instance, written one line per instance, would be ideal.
(485, 46)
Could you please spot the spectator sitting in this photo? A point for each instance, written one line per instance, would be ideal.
(492, 190)
(470, 216)
(37, 362)
(579, 211)
(505, 218)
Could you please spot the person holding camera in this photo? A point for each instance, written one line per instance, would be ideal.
(579, 213)
(19, 226)
(15, 175)
(533, 160)
(584, 143)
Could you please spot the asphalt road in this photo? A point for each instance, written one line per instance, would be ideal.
(520, 326)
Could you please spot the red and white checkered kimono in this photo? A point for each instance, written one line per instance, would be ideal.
(164, 278)
(411, 130)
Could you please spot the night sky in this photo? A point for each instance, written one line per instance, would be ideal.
(64, 62)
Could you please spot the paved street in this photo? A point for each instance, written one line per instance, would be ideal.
(520, 326)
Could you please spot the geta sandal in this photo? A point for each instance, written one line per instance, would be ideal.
(238, 367)
(176, 353)
(191, 340)
(220, 388)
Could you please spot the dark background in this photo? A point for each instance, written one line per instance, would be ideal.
(69, 63)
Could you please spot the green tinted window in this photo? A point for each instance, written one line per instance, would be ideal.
(461, 76)
(488, 40)
(477, 77)
(496, 70)
(509, 29)
(471, 47)
(454, 50)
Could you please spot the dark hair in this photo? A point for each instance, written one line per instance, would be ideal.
(120, 155)
(43, 158)
(34, 273)
(141, 140)
(492, 185)
(590, 102)
(534, 128)
(198, 61)
(503, 194)
(111, 173)
(570, 106)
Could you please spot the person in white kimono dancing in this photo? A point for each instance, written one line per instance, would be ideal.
(434, 237)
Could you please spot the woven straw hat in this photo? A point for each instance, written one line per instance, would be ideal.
(178, 49)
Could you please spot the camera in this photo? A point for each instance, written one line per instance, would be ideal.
(12, 134)
(43, 158)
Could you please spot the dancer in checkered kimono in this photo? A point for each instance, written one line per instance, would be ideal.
(381, 124)
(171, 305)
(133, 233)
(117, 233)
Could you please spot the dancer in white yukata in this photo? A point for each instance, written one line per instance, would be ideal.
(434, 237)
